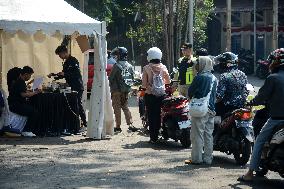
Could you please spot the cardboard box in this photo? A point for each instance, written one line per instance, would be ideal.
(83, 43)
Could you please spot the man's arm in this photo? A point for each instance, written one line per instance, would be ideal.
(221, 88)
(264, 92)
(29, 94)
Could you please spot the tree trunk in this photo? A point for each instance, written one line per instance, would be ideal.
(171, 33)
(166, 35)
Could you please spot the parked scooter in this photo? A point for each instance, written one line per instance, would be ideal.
(246, 61)
(175, 123)
(273, 153)
(262, 70)
(235, 135)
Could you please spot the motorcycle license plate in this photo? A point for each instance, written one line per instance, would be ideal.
(243, 123)
(184, 124)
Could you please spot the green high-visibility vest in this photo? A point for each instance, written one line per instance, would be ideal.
(189, 76)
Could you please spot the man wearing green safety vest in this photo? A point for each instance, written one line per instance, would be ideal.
(185, 69)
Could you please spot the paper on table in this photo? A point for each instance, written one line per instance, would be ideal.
(37, 82)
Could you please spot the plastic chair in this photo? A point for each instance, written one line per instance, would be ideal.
(10, 121)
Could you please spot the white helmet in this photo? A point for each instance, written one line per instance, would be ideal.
(154, 53)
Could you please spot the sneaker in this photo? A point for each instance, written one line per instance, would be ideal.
(117, 130)
(28, 134)
(12, 135)
(132, 128)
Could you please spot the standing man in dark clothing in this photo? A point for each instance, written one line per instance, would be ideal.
(17, 100)
(185, 69)
(71, 73)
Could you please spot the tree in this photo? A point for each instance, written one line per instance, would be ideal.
(161, 23)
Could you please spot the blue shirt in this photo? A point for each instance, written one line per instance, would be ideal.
(200, 87)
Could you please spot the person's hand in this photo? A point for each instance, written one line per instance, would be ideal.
(60, 74)
(50, 75)
(250, 103)
(37, 91)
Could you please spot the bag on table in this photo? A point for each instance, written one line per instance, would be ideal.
(198, 107)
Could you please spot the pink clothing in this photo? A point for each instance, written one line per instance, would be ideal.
(147, 77)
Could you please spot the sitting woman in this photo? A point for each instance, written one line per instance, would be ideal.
(17, 100)
(12, 76)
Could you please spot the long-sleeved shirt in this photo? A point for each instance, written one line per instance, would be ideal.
(147, 77)
(272, 93)
(232, 88)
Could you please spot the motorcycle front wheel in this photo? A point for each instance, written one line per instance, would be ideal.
(243, 154)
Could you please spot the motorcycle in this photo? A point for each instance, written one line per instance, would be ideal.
(235, 135)
(246, 61)
(273, 153)
(262, 70)
(175, 123)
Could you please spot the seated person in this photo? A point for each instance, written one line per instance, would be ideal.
(17, 100)
(12, 76)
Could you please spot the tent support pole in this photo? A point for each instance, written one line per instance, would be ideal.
(1, 85)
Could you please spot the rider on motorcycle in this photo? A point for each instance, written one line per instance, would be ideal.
(231, 91)
(271, 93)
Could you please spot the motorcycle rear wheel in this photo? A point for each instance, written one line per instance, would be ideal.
(185, 138)
(243, 155)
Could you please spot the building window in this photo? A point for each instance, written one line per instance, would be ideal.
(236, 43)
(236, 19)
(259, 46)
(259, 16)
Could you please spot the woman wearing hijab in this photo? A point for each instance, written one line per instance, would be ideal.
(202, 127)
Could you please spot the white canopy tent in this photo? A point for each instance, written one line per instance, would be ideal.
(30, 30)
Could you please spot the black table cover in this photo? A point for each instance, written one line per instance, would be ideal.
(58, 113)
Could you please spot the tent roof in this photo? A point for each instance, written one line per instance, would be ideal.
(46, 15)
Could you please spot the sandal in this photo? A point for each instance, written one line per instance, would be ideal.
(242, 179)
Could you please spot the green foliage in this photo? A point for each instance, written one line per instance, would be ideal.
(203, 9)
(99, 9)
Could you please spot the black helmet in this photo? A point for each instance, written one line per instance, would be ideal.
(227, 58)
(120, 52)
(201, 52)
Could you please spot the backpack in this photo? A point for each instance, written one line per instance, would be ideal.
(127, 78)
(158, 85)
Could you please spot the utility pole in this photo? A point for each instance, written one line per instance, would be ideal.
(229, 32)
(275, 25)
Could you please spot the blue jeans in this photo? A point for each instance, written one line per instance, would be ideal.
(263, 136)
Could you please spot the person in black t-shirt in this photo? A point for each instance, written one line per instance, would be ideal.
(71, 73)
(17, 99)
